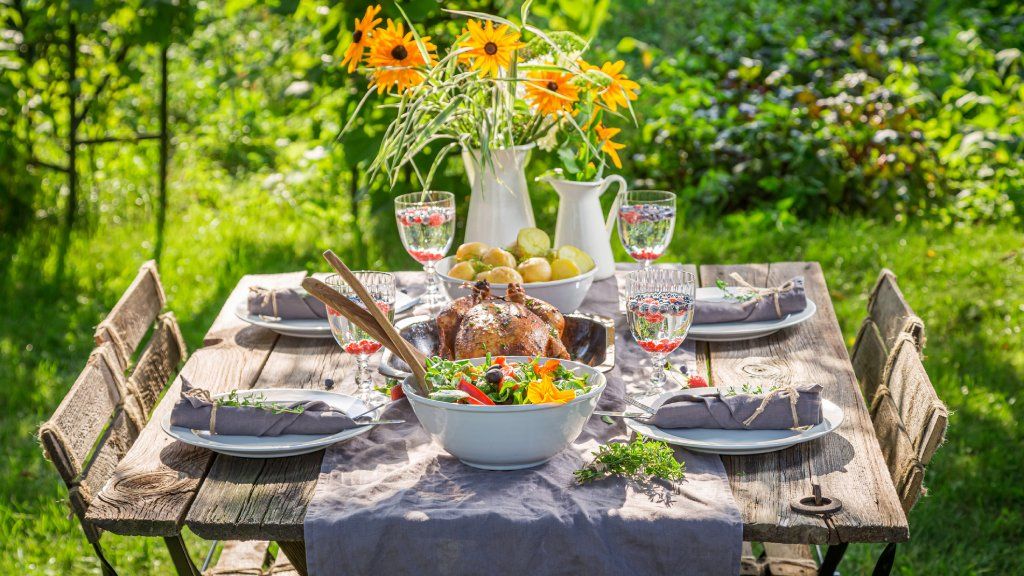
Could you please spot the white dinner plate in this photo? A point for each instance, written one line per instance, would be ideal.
(309, 328)
(737, 442)
(733, 331)
(274, 446)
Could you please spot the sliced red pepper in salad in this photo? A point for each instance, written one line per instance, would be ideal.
(475, 393)
(396, 392)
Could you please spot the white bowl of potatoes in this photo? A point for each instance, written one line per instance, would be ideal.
(559, 276)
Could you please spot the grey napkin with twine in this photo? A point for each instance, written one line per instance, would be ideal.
(793, 406)
(753, 304)
(195, 409)
(291, 303)
(393, 502)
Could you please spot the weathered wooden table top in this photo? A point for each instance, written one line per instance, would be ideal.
(163, 484)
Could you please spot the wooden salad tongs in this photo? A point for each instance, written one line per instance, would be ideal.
(371, 319)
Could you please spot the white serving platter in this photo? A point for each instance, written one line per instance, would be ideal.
(737, 442)
(309, 328)
(274, 446)
(733, 331)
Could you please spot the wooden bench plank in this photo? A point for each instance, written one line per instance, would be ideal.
(249, 498)
(847, 463)
(240, 559)
(789, 560)
(154, 485)
(159, 361)
(130, 319)
(889, 309)
(922, 413)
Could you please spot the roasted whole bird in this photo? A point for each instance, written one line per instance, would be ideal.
(516, 325)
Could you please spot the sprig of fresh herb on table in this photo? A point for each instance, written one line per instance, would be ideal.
(734, 296)
(641, 460)
(256, 401)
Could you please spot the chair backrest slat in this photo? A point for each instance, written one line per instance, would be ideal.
(130, 319)
(901, 459)
(868, 358)
(69, 435)
(158, 363)
(891, 312)
(922, 413)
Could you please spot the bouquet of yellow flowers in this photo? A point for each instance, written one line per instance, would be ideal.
(501, 84)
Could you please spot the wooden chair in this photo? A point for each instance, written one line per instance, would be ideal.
(101, 416)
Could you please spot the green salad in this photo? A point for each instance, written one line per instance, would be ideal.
(498, 381)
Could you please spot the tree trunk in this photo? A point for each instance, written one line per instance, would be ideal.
(161, 208)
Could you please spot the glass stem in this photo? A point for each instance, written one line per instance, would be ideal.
(363, 381)
(432, 292)
(658, 376)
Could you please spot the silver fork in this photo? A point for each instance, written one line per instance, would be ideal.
(633, 401)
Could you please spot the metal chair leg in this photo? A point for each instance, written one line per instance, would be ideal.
(105, 566)
(885, 561)
(183, 564)
(833, 557)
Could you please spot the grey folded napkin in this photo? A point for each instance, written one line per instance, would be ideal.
(757, 305)
(292, 303)
(198, 411)
(787, 407)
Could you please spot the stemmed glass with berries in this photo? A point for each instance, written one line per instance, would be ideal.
(426, 223)
(353, 339)
(659, 309)
(646, 221)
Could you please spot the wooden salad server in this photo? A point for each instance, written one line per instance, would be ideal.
(371, 319)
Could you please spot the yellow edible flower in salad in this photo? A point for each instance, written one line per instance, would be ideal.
(543, 391)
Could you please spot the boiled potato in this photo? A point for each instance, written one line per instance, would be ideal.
(532, 242)
(497, 257)
(503, 275)
(535, 270)
(562, 268)
(463, 271)
(471, 251)
(582, 260)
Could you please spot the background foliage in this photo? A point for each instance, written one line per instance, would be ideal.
(860, 134)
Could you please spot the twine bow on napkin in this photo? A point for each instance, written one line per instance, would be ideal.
(204, 395)
(761, 293)
(787, 391)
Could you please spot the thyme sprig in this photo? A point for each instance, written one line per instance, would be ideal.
(750, 389)
(640, 460)
(256, 401)
(730, 295)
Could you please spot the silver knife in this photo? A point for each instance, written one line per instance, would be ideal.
(380, 422)
(621, 414)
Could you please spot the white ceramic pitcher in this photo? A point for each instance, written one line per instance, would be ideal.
(582, 223)
(500, 202)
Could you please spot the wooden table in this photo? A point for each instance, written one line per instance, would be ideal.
(163, 484)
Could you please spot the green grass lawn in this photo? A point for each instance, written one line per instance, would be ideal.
(965, 283)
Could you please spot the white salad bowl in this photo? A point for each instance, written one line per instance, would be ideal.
(566, 295)
(507, 437)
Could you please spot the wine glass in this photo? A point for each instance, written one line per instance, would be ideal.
(426, 223)
(646, 221)
(353, 339)
(659, 309)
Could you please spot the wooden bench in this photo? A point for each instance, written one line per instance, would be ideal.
(108, 405)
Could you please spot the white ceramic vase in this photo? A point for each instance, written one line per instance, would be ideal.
(582, 223)
(499, 205)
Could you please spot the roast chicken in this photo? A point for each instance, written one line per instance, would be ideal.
(516, 325)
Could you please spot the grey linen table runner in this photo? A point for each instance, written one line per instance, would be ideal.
(195, 409)
(768, 304)
(392, 502)
(789, 407)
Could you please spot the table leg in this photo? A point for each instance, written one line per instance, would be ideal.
(183, 564)
(296, 553)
